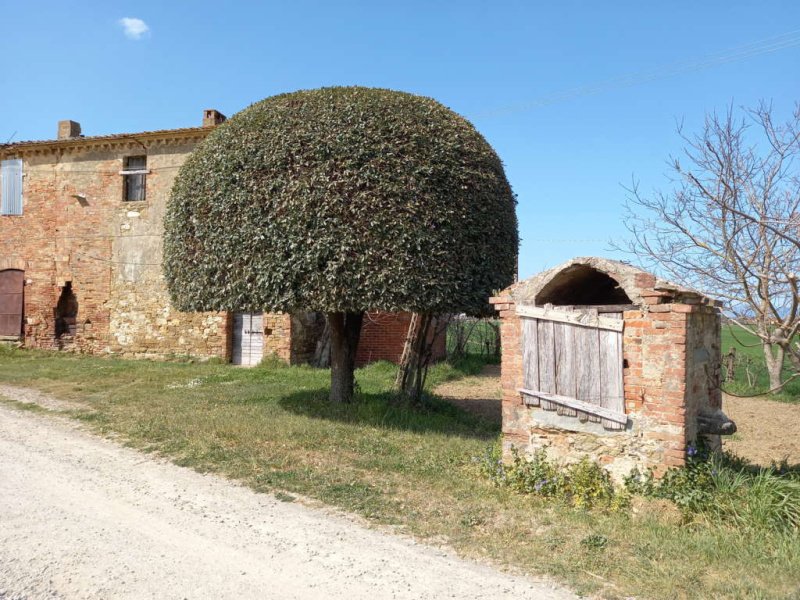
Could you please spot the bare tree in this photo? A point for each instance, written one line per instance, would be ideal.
(731, 227)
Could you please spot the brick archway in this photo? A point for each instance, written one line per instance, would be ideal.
(12, 263)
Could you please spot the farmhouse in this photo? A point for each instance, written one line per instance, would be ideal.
(605, 359)
(81, 249)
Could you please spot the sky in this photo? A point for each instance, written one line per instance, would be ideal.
(578, 98)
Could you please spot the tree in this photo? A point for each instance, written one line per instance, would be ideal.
(341, 200)
(731, 225)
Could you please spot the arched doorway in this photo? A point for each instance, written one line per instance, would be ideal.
(66, 312)
(12, 283)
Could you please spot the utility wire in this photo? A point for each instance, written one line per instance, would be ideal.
(786, 40)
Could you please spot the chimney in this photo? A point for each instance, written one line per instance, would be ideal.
(212, 118)
(68, 129)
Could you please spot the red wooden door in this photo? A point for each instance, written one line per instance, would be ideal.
(11, 283)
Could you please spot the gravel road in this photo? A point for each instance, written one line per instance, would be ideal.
(82, 517)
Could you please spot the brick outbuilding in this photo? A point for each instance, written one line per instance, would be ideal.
(601, 358)
(81, 248)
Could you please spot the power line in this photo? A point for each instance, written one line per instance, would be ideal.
(790, 39)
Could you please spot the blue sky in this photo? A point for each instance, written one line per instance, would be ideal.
(493, 62)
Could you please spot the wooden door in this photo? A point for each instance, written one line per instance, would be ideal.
(572, 363)
(248, 338)
(11, 302)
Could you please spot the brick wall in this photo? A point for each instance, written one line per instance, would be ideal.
(75, 227)
(670, 352)
(384, 334)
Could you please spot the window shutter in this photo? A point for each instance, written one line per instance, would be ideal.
(11, 187)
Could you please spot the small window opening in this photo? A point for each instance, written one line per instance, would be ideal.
(66, 312)
(11, 187)
(581, 285)
(134, 174)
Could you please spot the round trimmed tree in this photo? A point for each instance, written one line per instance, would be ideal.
(341, 200)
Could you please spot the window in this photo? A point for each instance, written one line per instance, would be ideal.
(11, 187)
(134, 174)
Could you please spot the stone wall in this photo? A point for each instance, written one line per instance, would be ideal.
(278, 336)
(76, 227)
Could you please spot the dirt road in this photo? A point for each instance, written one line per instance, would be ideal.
(82, 517)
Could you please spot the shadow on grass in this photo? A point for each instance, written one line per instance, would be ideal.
(781, 469)
(386, 411)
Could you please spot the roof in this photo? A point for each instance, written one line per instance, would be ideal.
(634, 281)
(156, 135)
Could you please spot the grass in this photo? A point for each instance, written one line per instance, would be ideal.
(473, 337)
(272, 428)
(748, 349)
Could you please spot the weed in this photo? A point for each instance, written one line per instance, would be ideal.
(584, 484)
(595, 541)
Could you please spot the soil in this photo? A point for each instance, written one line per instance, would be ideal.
(765, 428)
(479, 394)
(83, 517)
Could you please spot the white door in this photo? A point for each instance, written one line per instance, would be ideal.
(248, 338)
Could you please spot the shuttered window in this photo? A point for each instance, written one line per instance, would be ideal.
(11, 187)
(135, 172)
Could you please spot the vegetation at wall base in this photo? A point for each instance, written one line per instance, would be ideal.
(584, 484)
(718, 489)
(723, 490)
(409, 469)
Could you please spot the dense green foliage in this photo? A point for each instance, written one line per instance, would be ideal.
(721, 488)
(715, 487)
(584, 484)
(341, 200)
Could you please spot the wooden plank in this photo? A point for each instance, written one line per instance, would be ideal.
(607, 308)
(566, 384)
(587, 365)
(611, 389)
(547, 356)
(238, 327)
(579, 405)
(530, 354)
(583, 318)
(256, 338)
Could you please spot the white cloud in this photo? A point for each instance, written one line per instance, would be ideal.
(134, 28)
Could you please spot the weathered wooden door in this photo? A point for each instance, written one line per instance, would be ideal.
(572, 363)
(248, 338)
(11, 302)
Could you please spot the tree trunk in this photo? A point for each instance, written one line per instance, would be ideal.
(345, 329)
(322, 354)
(416, 357)
(774, 363)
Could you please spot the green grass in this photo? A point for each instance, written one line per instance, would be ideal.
(272, 429)
(480, 338)
(748, 347)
